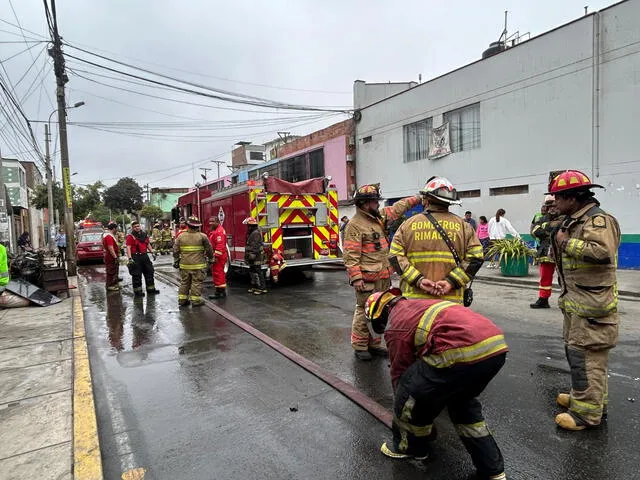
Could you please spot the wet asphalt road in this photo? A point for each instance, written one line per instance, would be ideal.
(186, 394)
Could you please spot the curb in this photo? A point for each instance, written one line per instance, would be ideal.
(531, 283)
(87, 462)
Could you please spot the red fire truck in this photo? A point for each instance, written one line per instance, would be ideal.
(298, 220)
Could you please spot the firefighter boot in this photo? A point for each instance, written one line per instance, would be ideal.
(220, 293)
(564, 399)
(569, 422)
(540, 303)
(363, 355)
(389, 451)
(378, 351)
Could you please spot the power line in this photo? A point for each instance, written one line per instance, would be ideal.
(213, 76)
(242, 98)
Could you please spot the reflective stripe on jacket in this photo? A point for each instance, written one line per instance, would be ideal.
(587, 269)
(418, 251)
(542, 227)
(191, 249)
(442, 333)
(366, 247)
(4, 266)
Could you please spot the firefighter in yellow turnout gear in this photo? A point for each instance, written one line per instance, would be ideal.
(366, 251)
(165, 239)
(155, 238)
(421, 256)
(192, 253)
(585, 247)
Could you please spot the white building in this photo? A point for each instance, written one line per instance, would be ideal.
(565, 99)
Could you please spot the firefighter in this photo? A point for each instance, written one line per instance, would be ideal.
(182, 227)
(218, 240)
(111, 255)
(121, 239)
(191, 254)
(166, 239)
(138, 248)
(366, 251)
(542, 226)
(156, 241)
(276, 265)
(441, 355)
(253, 256)
(585, 246)
(424, 260)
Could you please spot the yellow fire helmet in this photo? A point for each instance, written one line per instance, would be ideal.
(375, 310)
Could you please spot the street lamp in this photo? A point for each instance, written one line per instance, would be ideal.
(71, 247)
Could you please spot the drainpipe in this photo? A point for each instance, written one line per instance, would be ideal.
(595, 102)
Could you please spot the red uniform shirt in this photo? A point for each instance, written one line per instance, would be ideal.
(218, 239)
(109, 240)
(442, 333)
(136, 245)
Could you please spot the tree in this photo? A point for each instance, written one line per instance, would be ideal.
(86, 199)
(124, 195)
(40, 200)
(152, 212)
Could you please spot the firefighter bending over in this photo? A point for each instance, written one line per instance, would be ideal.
(424, 259)
(366, 251)
(253, 256)
(218, 240)
(441, 355)
(191, 254)
(586, 251)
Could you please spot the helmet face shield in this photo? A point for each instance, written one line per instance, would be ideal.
(441, 189)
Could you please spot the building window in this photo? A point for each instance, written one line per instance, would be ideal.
(367, 139)
(294, 169)
(511, 190)
(256, 156)
(416, 140)
(316, 163)
(469, 193)
(464, 127)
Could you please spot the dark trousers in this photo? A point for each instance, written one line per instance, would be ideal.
(111, 266)
(257, 277)
(423, 391)
(142, 266)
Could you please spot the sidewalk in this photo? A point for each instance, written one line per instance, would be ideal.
(47, 426)
(628, 280)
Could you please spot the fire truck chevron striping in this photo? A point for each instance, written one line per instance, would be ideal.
(302, 226)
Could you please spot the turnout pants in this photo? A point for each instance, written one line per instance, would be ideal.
(257, 277)
(111, 266)
(587, 344)
(191, 285)
(546, 279)
(361, 337)
(423, 391)
(217, 272)
(142, 266)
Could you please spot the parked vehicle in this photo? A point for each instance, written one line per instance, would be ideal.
(298, 220)
(89, 246)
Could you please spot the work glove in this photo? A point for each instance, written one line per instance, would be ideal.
(176, 264)
(131, 263)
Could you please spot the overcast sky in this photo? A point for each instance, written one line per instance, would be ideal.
(303, 52)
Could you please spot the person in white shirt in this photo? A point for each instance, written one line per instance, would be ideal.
(499, 227)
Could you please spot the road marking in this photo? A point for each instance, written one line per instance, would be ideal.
(135, 474)
(87, 464)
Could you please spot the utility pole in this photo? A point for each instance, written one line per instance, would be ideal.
(61, 80)
(204, 175)
(218, 163)
(50, 207)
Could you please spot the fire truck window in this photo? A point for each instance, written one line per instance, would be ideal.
(273, 215)
(321, 213)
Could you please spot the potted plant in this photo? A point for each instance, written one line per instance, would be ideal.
(513, 256)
